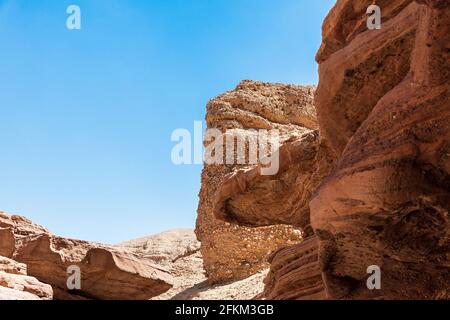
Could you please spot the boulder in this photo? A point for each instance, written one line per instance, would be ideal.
(16, 285)
(232, 251)
(107, 272)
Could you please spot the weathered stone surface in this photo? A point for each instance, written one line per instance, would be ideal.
(295, 273)
(16, 285)
(26, 284)
(382, 164)
(12, 294)
(232, 251)
(247, 197)
(13, 267)
(347, 19)
(179, 251)
(106, 272)
(260, 105)
(358, 75)
(165, 248)
(384, 110)
(7, 242)
(21, 226)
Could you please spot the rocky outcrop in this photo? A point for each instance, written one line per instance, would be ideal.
(15, 284)
(106, 272)
(165, 248)
(379, 184)
(247, 197)
(237, 193)
(178, 251)
(295, 273)
(383, 105)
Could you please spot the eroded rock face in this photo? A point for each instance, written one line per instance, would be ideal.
(249, 198)
(179, 251)
(106, 272)
(383, 106)
(7, 242)
(15, 284)
(380, 176)
(165, 248)
(295, 273)
(13, 267)
(237, 193)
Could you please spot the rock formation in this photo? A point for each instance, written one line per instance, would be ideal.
(295, 273)
(179, 252)
(165, 248)
(130, 270)
(377, 178)
(236, 193)
(383, 106)
(106, 272)
(249, 198)
(364, 183)
(15, 284)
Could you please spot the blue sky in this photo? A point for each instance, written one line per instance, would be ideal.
(86, 115)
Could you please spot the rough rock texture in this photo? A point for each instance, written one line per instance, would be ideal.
(165, 248)
(12, 294)
(178, 251)
(382, 166)
(7, 242)
(106, 272)
(12, 267)
(235, 193)
(16, 285)
(26, 284)
(383, 105)
(249, 198)
(295, 273)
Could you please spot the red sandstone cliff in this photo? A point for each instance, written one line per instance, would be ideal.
(378, 187)
(383, 106)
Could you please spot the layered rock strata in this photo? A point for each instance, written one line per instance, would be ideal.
(295, 273)
(378, 187)
(383, 105)
(15, 284)
(106, 272)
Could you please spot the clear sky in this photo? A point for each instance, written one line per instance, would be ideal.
(86, 115)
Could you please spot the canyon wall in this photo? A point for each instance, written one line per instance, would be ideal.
(383, 105)
(364, 182)
(376, 190)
